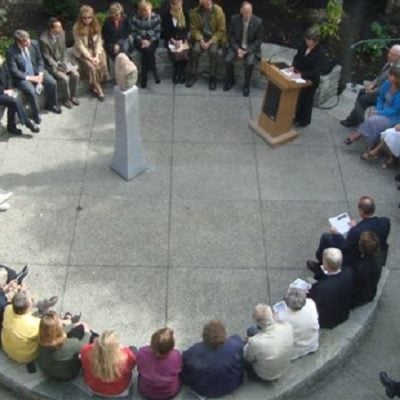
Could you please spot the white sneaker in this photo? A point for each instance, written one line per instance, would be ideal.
(4, 207)
(5, 196)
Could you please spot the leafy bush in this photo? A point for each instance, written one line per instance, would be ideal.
(330, 27)
(63, 9)
(101, 16)
(3, 16)
(5, 43)
(378, 45)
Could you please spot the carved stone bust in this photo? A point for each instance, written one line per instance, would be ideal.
(125, 72)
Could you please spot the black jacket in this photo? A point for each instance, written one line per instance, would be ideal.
(309, 65)
(255, 33)
(333, 295)
(172, 32)
(16, 62)
(111, 35)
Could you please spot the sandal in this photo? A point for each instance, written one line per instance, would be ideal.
(368, 156)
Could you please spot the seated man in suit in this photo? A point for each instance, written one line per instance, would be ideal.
(9, 99)
(26, 67)
(208, 33)
(52, 45)
(333, 292)
(245, 38)
(367, 96)
(349, 244)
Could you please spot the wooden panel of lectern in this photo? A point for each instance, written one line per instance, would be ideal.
(274, 123)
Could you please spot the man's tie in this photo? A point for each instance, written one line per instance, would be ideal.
(28, 63)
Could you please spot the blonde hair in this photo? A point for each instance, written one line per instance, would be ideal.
(86, 30)
(51, 333)
(114, 9)
(106, 358)
(142, 5)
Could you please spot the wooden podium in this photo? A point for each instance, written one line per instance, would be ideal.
(274, 123)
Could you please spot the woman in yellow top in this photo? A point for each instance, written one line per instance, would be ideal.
(88, 48)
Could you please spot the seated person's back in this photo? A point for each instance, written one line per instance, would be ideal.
(214, 367)
(333, 292)
(20, 333)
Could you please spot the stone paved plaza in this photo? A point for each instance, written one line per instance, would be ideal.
(220, 222)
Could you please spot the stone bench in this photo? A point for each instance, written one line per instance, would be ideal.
(335, 346)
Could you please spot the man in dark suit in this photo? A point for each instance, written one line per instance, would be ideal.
(333, 292)
(52, 45)
(245, 38)
(349, 244)
(26, 67)
(367, 96)
(8, 98)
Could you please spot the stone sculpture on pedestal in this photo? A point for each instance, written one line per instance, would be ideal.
(128, 160)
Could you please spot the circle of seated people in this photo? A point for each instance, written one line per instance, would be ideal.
(346, 277)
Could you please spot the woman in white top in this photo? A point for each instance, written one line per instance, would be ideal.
(302, 314)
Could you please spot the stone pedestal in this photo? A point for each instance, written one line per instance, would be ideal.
(128, 160)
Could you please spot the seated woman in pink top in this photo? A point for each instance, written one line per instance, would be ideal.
(107, 366)
(159, 366)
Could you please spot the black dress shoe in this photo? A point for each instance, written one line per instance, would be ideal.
(190, 80)
(212, 84)
(348, 123)
(32, 127)
(37, 120)
(14, 130)
(397, 178)
(246, 91)
(313, 266)
(55, 109)
(388, 383)
(156, 76)
(181, 78)
(228, 85)
(22, 274)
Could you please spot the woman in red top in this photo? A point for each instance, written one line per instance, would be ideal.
(107, 367)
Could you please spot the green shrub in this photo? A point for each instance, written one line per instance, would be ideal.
(62, 8)
(101, 16)
(330, 27)
(5, 43)
(378, 45)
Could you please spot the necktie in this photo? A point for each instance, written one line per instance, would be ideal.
(28, 62)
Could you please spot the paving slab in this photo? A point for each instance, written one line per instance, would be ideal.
(38, 230)
(216, 233)
(226, 296)
(293, 229)
(212, 120)
(297, 173)
(44, 168)
(213, 171)
(116, 231)
(101, 181)
(130, 300)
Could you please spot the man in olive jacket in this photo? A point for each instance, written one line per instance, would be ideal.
(208, 32)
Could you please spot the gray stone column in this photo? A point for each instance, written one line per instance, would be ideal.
(128, 160)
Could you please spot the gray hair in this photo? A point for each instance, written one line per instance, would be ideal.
(21, 302)
(20, 34)
(332, 258)
(396, 49)
(263, 315)
(295, 298)
(312, 33)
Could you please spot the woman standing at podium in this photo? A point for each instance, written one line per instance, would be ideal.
(307, 62)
